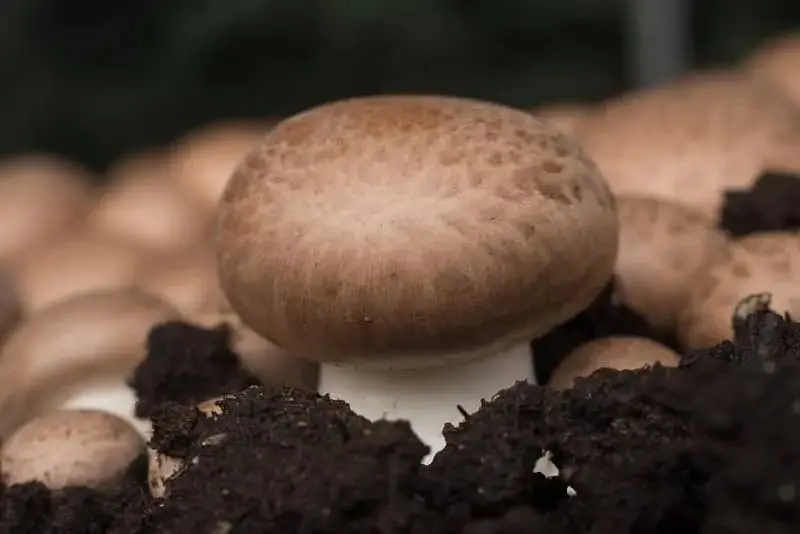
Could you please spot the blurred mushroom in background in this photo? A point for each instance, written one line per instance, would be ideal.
(563, 116)
(202, 161)
(690, 140)
(71, 448)
(663, 247)
(620, 353)
(778, 62)
(11, 312)
(78, 353)
(40, 196)
(72, 264)
(141, 205)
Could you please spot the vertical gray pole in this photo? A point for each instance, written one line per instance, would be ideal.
(659, 41)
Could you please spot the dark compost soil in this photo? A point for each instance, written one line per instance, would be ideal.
(712, 447)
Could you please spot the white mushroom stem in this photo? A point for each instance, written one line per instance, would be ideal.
(112, 397)
(427, 397)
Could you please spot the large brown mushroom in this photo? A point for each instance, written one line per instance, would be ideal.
(414, 245)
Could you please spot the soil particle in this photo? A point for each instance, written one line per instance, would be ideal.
(187, 364)
(773, 203)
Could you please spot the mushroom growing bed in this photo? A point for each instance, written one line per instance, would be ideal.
(708, 446)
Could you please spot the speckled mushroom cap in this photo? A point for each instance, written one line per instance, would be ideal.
(691, 140)
(663, 246)
(759, 263)
(619, 353)
(410, 225)
(778, 62)
(71, 448)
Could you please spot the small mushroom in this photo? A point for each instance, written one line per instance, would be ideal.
(690, 140)
(162, 467)
(778, 62)
(563, 116)
(143, 206)
(40, 195)
(620, 353)
(203, 161)
(71, 448)
(663, 247)
(759, 263)
(70, 265)
(78, 353)
(414, 245)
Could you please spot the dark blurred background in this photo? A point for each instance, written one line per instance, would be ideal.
(94, 79)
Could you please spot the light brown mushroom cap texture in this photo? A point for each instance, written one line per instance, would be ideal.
(40, 195)
(396, 226)
(778, 62)
(691, 140)
(759, 263)
(80, 342)
(71, 448)
(621, 353)
(663, 246)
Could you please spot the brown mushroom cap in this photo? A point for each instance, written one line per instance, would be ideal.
(663, 247)
(74, 345)
(778, 62)
(621, 353)
(202, 162)
(40, 195)
(563, 116)
(690, 140)
(71, 448)
(760, 263)
(67, 266)
(143, 206)
(393, 226)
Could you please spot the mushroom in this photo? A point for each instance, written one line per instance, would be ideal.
(690, 140)
(563, 116)
(663, 246)
(759, 263)
(71, 448)
(40, 195)
(78, 353)
(778, 62)
(203, 160)
(620, 353)
(144, 207)
(414, 245)
(10, 304)
(162, 467)
(186, 277)
(70, 265)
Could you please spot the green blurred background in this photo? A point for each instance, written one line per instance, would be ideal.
(94, 79)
